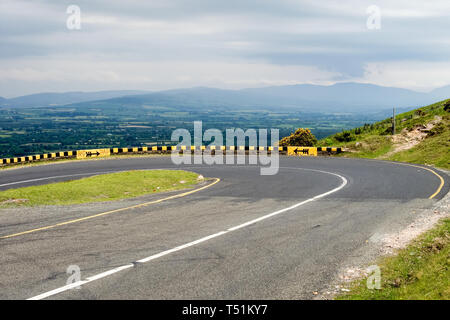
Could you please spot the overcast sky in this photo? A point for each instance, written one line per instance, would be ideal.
(162, 44)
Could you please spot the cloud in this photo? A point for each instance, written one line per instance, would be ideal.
(165, 44)
(56, 73)
(418, 75)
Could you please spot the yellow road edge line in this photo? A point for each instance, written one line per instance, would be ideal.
(441, 185)
(435, 173)
(112, 211)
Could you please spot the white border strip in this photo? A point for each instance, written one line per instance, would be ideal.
(190, 244)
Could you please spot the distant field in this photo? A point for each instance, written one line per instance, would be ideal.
(25, 131)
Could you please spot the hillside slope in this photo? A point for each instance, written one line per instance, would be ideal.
(422, 136)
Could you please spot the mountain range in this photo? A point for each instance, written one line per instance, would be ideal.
(340, 97)
(48, 99)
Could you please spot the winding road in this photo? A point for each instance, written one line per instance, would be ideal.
(239, 236)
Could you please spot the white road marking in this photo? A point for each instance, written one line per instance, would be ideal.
(184, 246)
(193, 243)
(81, 282)
(56, 177)
(344, 182)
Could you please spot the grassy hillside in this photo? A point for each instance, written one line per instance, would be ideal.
(422, 136)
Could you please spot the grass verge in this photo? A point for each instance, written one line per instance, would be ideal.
(433, 150)
(106, 187)
(419, 272)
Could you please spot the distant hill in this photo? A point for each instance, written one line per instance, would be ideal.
(338, 98)
(441, 93)
(350, 96)
(53, 99)
(199, 98)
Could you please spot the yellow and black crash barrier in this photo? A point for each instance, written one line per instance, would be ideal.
(166, 149)
(311, 151)
(39, 157)
(93, 153)
(96, 153)
(329, 149)
(302, 151)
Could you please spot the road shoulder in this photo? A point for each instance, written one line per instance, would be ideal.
(382, 245)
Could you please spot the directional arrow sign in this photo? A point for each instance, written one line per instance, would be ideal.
(82, 154)
(91, 154)
(302, 151)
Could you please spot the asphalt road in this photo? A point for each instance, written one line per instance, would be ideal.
(261, 237)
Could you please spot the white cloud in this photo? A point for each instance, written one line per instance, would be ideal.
(389, 8)
(85, 74)
(182, 43)
(416, 75)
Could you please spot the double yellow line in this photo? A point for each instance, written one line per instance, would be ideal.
(216, 180)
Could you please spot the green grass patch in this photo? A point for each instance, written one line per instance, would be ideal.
(434, 150)
(371, 147)
(419, 272)
(106, 187)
